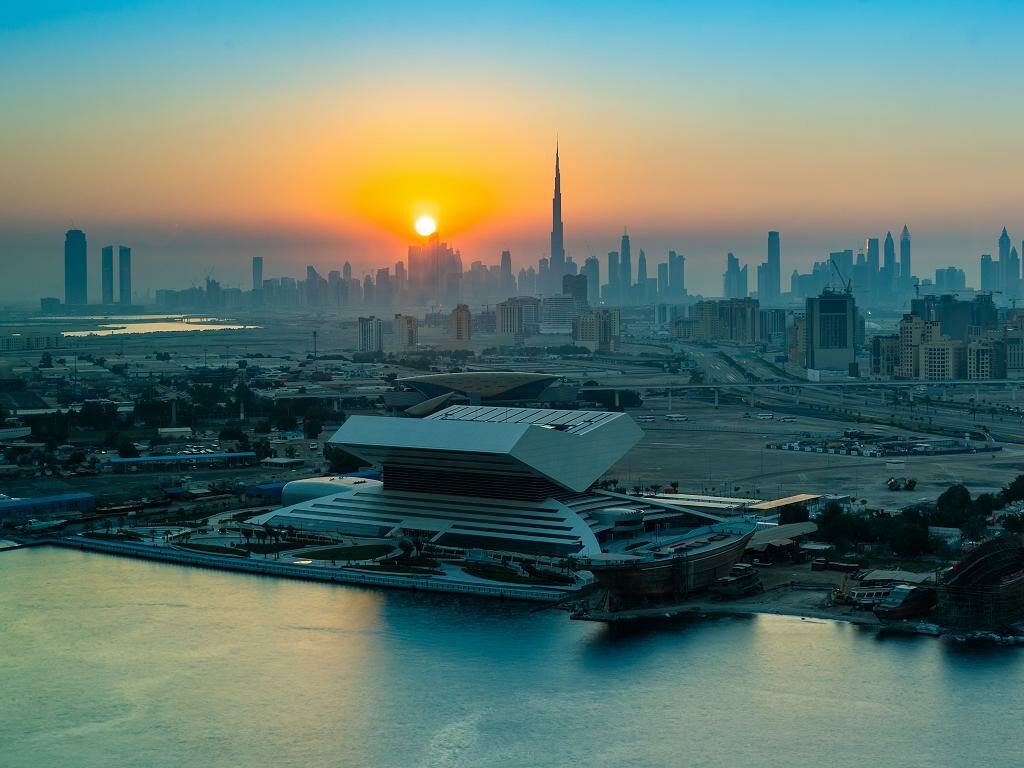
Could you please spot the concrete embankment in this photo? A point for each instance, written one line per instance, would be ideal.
(313, 573)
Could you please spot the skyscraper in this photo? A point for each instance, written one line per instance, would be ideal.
(734, 281)
(625, 269)
(889, 264)
(107, 274)
(257, 273)
(592, 271)
(676, 274)
(774, 271)
(641, 269)
(906, 271)
(614, 275)
(76, 268)
(557, 263)
(124, 275)
(873, 269)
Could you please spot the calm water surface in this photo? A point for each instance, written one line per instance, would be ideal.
(116, 662)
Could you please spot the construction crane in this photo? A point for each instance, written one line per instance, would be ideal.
(847, 284)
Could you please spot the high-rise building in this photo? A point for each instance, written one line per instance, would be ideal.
(592, 272)
(371, 334)
(676, 274)
(257, 273)
(107, 274)
(76, 268)
(124, 275)
(663, 280)
(576, 286)
(889, 269)
(641, 269)
(831, 331)
(875, 290)
(625, 269)
(508, 322)
(597, 330)
(906, 270)
(557, 263)
(461, 325)
(734, 281)
(773, 287)
(614, 275)
(433, 270)
(989, 273)
(405, 331)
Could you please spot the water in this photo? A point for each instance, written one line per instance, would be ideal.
(156, 324)
(117, 662)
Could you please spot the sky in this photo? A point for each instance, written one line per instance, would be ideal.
(310, 132)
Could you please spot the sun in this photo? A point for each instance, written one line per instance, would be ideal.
(425, 225)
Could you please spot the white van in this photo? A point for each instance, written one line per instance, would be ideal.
(766, 416)
(676, 417)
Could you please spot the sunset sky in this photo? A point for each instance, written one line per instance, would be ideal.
(314, 132)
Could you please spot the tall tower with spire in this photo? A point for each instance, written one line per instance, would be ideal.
(557, 263)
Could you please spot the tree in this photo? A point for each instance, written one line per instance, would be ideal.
(126, 449)
(341, 461)
(312, 428)
(952, 505)
(286, 422)
(1013, 523)
(1015, 490)
(794, 514)
(46, 360)
(973, 528)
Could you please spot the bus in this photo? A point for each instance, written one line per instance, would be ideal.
(676, 417)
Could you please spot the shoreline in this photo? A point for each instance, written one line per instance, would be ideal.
(501, 590)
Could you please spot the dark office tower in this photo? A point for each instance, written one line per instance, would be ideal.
(641, 269)
(1004, 261)
(257, 273)
(989, 273)
(625, 268)
(107, 274)
(557, 264)
(346, 271)
(124, 275)
(76, 268)
(592, 271)
(873, 269)
(676, 274)
(663, 280)
(1012, 290)
(614, 275)
(575, 286)
(774, 272)
(734, 281)
(906, 271)
(889, 255)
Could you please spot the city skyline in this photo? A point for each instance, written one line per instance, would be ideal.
(304, 161)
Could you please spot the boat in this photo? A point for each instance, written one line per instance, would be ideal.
(905, 601)
(742, 580)
(658, 576)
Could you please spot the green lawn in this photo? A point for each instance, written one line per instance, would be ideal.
(214, 549)
(501, 573)
(400, 570)
(269, 549)
(119, 536)
(355, 552)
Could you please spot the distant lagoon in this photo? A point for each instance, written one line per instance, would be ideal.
(134, 324)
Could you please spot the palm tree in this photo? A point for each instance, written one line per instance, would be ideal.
(655, 487)
(637, 489)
